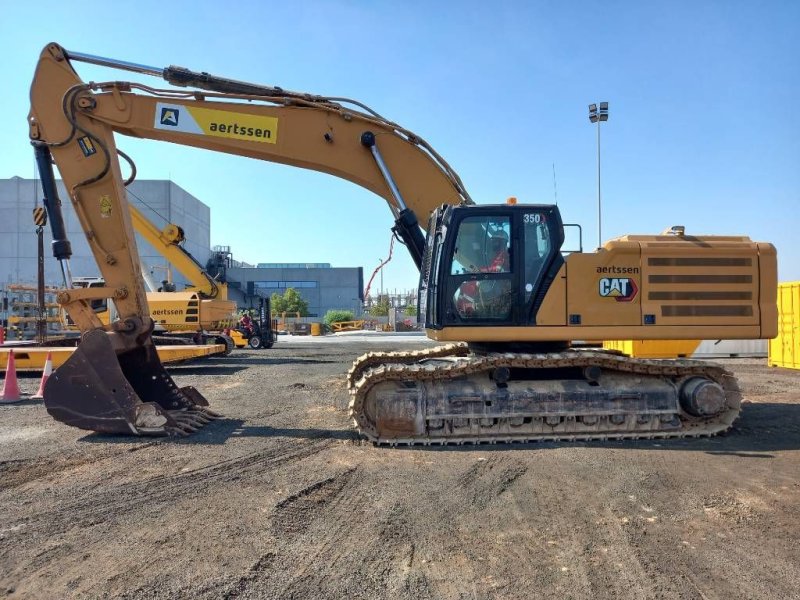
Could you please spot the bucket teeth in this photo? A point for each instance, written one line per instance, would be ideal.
(193, 419)
(209, 413)
(127, 393)
(186, 429)
(176, 432)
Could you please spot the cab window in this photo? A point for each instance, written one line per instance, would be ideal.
(481, 267)
(538, 246)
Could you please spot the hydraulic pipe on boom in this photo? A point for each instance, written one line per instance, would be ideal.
(407, 226)
(406, 223)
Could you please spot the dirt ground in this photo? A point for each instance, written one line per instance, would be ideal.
(282, 500)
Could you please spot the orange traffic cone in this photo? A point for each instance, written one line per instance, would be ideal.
(11, 391)
(48, 370)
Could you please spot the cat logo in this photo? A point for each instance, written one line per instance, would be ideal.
(622, 289)
(169, 116)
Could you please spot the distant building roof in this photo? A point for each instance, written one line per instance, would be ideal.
(294, 265)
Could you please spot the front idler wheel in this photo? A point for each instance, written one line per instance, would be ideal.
(701, 397)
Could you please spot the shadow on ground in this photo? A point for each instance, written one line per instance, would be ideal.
(206, 370)
(219, 432)
(761, 429)
(207, 366)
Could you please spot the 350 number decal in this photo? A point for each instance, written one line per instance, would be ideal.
(533, 218)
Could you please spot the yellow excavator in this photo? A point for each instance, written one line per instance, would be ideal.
(200, 314)
(494, 279)
(204, 310)
(205, 307)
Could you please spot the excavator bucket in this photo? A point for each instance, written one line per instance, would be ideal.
(128, 393)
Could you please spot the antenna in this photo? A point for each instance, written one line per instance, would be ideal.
(555, 188)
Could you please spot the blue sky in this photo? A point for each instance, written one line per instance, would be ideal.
(704, 128)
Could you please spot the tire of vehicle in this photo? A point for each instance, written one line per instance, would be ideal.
(254, 342)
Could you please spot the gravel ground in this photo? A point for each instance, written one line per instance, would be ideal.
(282, 500)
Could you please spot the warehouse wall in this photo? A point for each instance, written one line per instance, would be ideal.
(160, 201)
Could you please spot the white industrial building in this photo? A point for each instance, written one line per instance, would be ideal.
(160, 201)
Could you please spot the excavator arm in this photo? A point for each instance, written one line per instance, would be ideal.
(167, 242)
(72, 123)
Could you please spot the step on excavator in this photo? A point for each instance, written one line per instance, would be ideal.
(496, 286)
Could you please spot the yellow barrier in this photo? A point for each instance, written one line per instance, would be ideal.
(653, 348)
(784, 350)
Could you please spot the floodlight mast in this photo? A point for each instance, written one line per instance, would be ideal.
(597, 116)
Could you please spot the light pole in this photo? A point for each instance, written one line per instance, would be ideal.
(597, 116)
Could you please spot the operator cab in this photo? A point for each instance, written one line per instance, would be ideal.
(489, 265)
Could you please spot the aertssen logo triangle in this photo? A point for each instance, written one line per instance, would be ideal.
(169, 116)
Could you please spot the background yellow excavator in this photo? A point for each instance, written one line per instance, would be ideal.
(200, 313)
(205, 309)
(213, 311)
(492, 277)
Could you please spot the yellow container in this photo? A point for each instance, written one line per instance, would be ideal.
(316, 329)
(784, 350)
(653, 348)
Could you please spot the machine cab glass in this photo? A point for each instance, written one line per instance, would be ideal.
(538, 250)
(482, 259)
(491, 264)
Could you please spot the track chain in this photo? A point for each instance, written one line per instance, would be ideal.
(374, 368)
(373, 359)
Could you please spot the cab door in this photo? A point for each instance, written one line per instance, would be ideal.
(481, 276)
